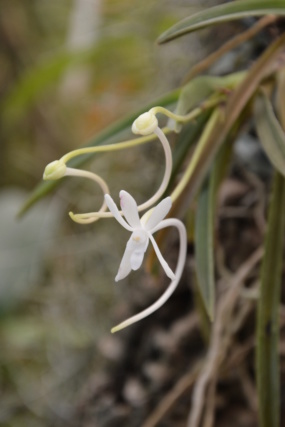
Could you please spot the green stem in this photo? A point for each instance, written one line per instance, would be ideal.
(209, 103)
(197, 154)
(267, 358)
(112, 147)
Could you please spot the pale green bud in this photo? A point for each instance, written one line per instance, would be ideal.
(145, 124)
(54, 170)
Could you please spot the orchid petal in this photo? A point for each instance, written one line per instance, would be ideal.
(158, 213)
(162, 261)
(138, 245)
(115, 212)
(125, 266)
(136, 259)
(133, 256)
(169, 291)
(130, 209)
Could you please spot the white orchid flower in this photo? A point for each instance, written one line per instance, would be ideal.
(142, 232)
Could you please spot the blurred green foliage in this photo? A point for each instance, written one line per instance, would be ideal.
(58, 286)
(55, 93)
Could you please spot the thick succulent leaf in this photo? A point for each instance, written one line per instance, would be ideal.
(270, 132)
(111, 134)
(267, 356)
(222, 13)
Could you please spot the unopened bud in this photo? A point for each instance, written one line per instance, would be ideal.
(145, 124)
(54, 170)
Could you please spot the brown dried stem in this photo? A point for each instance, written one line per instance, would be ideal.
(220, 339)
(230, 45)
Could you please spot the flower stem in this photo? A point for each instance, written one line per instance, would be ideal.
(209, 103)
(112, 147)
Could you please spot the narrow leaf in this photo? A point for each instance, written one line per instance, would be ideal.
(267, 356)
(230, 115)
(270, 132)
(280, 96)
(205, 229)
(184, 140)
(204, 245)
(202, 87)
(223, 13)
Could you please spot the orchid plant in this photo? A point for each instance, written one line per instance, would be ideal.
(209, 113)
(142, 229)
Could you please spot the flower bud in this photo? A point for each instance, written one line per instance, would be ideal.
(145, 124)
(54, 170)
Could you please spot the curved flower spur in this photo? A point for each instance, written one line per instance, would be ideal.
(147, 126)
(142, 232)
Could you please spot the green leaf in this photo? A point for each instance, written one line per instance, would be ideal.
(223, 13)
(267, 355)
(49, 69)
(280, 95)
(205, 230)
(204, 318)
(270, 132)
(111, 134)
(230, 115)
(184, 140)
(36, 80)
(204, 245)
(200, 88)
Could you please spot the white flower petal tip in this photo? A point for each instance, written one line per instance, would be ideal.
(171, 222)
(145, 124)
(121, 326)
(122, 273)
(116, 329)
(158, 213)
(54, 170)
(115, 212)
(130, 209)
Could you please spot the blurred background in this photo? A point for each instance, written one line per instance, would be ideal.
(69, 68)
